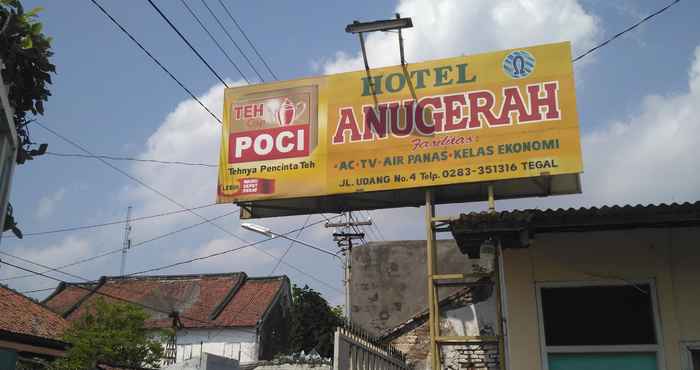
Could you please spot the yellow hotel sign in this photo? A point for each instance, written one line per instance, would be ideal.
(503, 115)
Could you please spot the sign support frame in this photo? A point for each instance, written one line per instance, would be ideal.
(434, 225)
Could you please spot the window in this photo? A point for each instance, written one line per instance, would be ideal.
(691, 356)
(602, 326)
(186, 351)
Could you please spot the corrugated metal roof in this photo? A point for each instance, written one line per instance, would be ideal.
(583, 219)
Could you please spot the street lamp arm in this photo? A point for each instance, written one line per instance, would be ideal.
(305, 244)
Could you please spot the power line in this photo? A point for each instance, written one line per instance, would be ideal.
(186, 41)
(251, 244)
(291, 244)
(94, 291)
(214, 39)
(249, 42)
(374, 224)
(115, 158)
(165, 196)
(45, 266)
(155, 60)
(630, 28)
(254, 296)
(232, 40)
(137, 180)
(117, 250)
(110, 223)
(88, 281)
(179, 263)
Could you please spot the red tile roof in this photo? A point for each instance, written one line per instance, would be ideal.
(210, 300)
(21, 315)
(70, 294)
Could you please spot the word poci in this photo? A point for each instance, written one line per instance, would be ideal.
(274, 143)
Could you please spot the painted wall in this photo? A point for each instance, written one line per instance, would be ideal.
(669, 257)
(239, 344)
(389, 284)
(206, 362)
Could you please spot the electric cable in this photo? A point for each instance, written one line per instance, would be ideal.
(118, 250)
(137, 180)
(167, 20)
(156, 191)
(214, 39)
(374, 223)
(87, 281)
(232, 40)
(247, 39)
(291, 244)
(115, 158)
(231, 250)
(101, 293)
(254, 296)
(110, 223)
(630, 28)
(155, 60)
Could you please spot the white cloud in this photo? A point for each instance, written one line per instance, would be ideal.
(188, 134)
(447, 28)
(48, 203)
(650, 156)
(647, 158)
(248, 259)
(54, 254)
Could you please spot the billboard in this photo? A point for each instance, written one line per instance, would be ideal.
(348, 141)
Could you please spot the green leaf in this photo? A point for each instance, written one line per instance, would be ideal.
(36, 28)
(34, 11)
(27, 42)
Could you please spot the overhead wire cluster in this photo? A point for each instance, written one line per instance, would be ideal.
(104, 158)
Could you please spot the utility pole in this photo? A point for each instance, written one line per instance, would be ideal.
(345, 233)
(126, 244)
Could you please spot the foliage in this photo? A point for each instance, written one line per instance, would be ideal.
(112, 333)
(313, 322)
(25, 52)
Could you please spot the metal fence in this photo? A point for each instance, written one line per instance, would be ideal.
(356, 350)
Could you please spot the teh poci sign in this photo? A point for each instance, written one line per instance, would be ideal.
(501, 116)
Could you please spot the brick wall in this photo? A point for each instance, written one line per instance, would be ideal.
(415, 343)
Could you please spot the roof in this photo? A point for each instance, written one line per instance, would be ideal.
(584, 219)
(201, 301)
(459, 298)
(23, 317)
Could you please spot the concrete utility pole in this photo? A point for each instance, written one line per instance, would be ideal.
(126, 245)
(8, 154)
(345, 233)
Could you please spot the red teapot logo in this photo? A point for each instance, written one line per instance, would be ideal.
(289, 111)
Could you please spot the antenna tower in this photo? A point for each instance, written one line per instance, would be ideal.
(126, 245)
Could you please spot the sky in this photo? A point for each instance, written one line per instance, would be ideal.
(638, 100)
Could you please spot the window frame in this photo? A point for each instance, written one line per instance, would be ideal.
(686, 358)
(657, 348)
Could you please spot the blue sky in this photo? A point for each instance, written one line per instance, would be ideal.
(638, 102)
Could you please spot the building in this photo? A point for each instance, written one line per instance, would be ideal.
(229, 314)
(29, 332)
(595, 288)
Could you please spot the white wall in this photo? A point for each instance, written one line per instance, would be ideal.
(240, 344)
